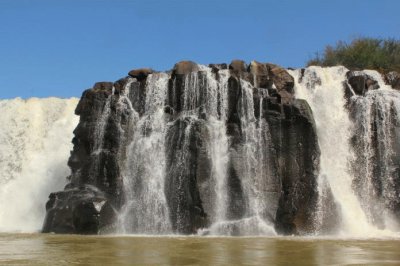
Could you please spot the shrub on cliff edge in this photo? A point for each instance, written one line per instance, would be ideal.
(362, 53)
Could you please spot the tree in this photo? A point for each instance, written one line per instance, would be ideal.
(362, 53)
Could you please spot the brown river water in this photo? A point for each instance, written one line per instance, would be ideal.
(47, 249)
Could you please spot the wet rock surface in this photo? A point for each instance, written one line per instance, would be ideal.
(259, 98)
(393, 79)
(81, 210)
(141, 73)
(296, 144)
(361, 83)
(376, 167)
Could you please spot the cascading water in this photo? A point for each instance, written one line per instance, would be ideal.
(203, 112)
(218, 140)
(99, 134)
(254, 175)
(376, 142)
(208, 150)
(146, 210)
(35, 141)
(323, 88)
(254, 151)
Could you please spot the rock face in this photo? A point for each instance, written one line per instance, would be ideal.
(361, 82)
(140, 73)
(376, 132)
(393, 79)
(297, 148)
(234, 153)
(82, 210)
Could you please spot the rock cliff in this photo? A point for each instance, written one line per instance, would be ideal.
(195, 149)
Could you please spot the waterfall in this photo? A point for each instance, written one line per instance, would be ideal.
(146, 210)
(254, 153)
(204, 113)
(323, 88)
(218, 140)
(377, 165)
(35, 141)
(175, 169)
(218, 152)
(209, 151)
(255, 166)
(99, 134)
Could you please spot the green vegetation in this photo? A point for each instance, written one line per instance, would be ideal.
(362, 53)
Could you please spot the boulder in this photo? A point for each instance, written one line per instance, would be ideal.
(140, 73)
(361, 82)
(185, 67)
(358, 85)
(78, 210)
(238, 66)
(261, 76)
(281, 78)
(393, 79)
(258, 69)
(103, 85)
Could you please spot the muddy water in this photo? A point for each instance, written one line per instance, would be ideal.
(42, 249)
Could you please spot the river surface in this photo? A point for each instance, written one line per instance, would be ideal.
(47, 249)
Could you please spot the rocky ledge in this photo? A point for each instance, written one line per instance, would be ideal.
(92, 201)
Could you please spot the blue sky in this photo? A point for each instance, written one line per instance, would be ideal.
(61, 47)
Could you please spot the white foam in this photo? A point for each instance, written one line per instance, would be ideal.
(35, 143)
(323, 90)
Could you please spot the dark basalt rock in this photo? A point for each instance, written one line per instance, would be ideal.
(358, 84)
(258, 69)
(185, 67)
(95, 193)
(266, 76)
(233, 100)
(141, 73)
(262, 75)
(295, 141)
(238, 66)
(216, 67)
(82, 210)
(375, 166)
(103, 86)
(393, 79)
(119, 86)
(361, 82)
(95, 161)
(283, 81)
(184, 172)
